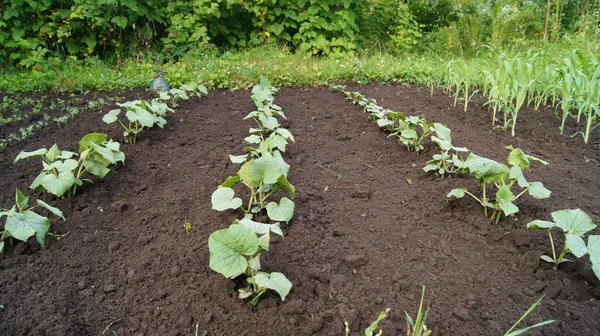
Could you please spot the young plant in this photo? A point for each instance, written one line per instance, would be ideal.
(22, 222)
(503, 178)
(371, 330)
(263, 176)
(417, 326)
(236, 251)
(510, 331)
(449, 161)
(140, 114)
(63, 172)
(574, 223)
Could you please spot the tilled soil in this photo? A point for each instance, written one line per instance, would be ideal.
(370, 228)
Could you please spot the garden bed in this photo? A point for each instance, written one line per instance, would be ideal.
(370, 228)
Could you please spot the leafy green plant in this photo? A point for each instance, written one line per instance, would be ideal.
(449, 161)
(237, 250)
(63, 171)
(417, 326)
(371, 330)
(22, 222)
(510, 331)
(574, 223)
(503, 178)
(140, 114)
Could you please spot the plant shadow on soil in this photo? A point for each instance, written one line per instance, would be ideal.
(362, 239)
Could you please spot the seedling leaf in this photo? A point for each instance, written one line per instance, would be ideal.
(237, 158)
(540, 224)
(284, 211)
(52, 209)
(21, 200)
(538, 191)
(484, 169)
(576, 245)
(58, 184)
(223, 199)
(24, 225)
(228, 247)
(458, 193)
(593, 248)
(111, 116)
(573, 221)
(275, 281)
(24, 155)
(92, 138)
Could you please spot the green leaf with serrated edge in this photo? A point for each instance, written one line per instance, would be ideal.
(22, 201)
(517, 157)
(269, 123)
(573, 221)
(66, 165)
(538, 191)
(409, 134)
(516, 173)
(430, 167)
(276, 141)
(223, 199)
(111, 116)
(53, 153)
(254, 262)
(87, 140)
(485, 170)
(52, 209)
(508, 208)
(504, 194)
(64, 155)
(458, 193)
(540, 224)
(253, 139)
(37, 182)
(285, 133)
(24, 225)
(230, 181)
(576, 245)
(284, 211)
(25, 155)
(115, 148)
(284, 184)
(58, 184)
(285, 168)
(383, 122)
(264, 241)
(106, 153)
(245, 175)
(237, 158)
(260, 228)
(275, 281)
(228, 248)
(95, 167)
(266, 169)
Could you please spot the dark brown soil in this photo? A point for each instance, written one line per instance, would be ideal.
(370, 228)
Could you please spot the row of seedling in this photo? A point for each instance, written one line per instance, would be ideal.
(570, 82)
(503, 180)
(64, 171)
(263, 174)
(412, 131)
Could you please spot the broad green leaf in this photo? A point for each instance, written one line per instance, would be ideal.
(431, 167)
(66, 165)
(21, 200)
(504, 194)
(285, 168)
(573, 221)
(276, 141)
(121, 21)
(52, 209)
(540, 224)
(237, 158)
(260, 228)
(275, 281)
(24, 225)
(37, 182)
(508, 208)
(58, 184)
(253, 139)
(254, 264)
(229, 246)
(115, 148)
(53, 153)
(95, 167)
(245, 174)
(230, 181)
(106, 153)
(284, 211)
(517, 173)
(111, 116)
(223, 199)
(284, 184)
(265, 169)
(143, 117)
(87, 141)
(593, 247)
(517, 157)
(269, 123)
(576, 245)
(25, 155)
(538, 191)
(285, 133)
(409, 134)
(383, 122)
(458, 193)
(485, 170)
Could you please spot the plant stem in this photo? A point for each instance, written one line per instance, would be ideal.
(484, 200)
(560, 257)
(552, 244)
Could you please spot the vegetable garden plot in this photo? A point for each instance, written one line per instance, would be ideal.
(370, 227)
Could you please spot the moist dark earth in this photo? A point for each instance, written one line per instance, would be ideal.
(370, 227)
